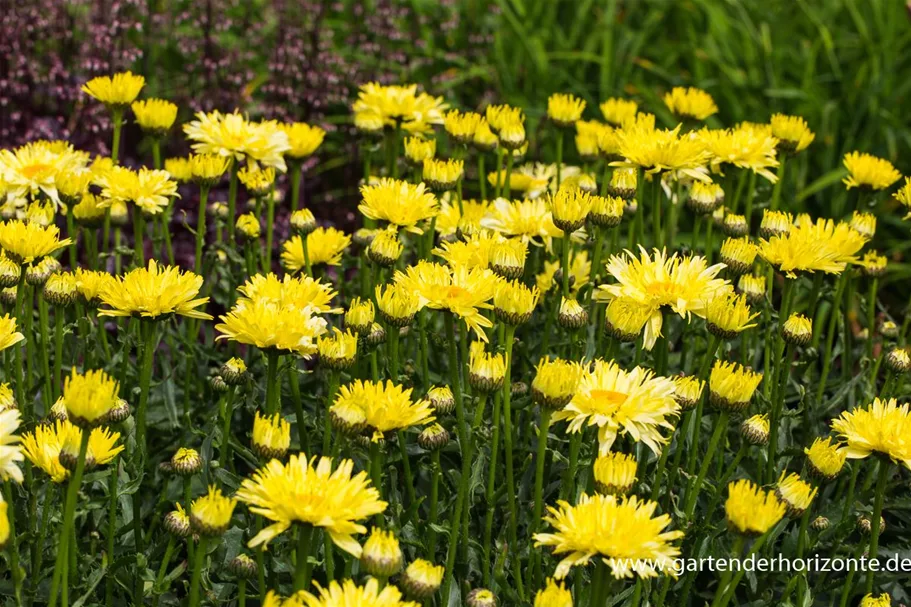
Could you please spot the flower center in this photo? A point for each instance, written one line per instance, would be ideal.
(34, 169)
(608, 399)
(455, 292)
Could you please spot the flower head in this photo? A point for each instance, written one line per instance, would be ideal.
(299, 491)
(153, 191)
(271, 436)
(528, 220)
(298, 291)
(742, 147)
(869, 172)
(303, 139)
(9, 335)
(820, 246)
(462, 126)
(339, 350)
(796, 493)
(731, 386)
(385, 248)
(89, 397)
(117, 91)
(25, 242)
(248, 226)
(751, 510)
(797, 329)
(233, 136)
(382, 555)
(882, 600)
(882, 427)
(154, 292)
(514, 303)
(418, 149)
(554, 594)
(421, 579)
(442, 175)
(650, 282)
(691, 103)
(660, 150)
(615, 473)
(210, 514)
(728, 314)
(10, 449)
(622, 531)
(400, 203)
(756, 429)
(792, 133)
(459, 290)
(565, 110)
(570, 208)
(257, 180)
(207, 169)
(416, 112)
(825, 458)
(738, 254)
(267, 324)
(486, 371)
(635, 402)
(397, 304)
(348, 593)
(383, 407)
(325, 246)
(155, 116)
(619, 111)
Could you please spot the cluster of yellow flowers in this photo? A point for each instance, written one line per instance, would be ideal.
(403, 332)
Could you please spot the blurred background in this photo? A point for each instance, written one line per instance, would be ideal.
(841, 64)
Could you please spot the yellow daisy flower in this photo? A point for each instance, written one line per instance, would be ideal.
(303, 139)
(618, 111)
(154, 292)
(820, 246)
(565, 110)
(792, 133)
(528, 220)
(26, 242)
(348, 593)
(400, 203)
(637, 403)
(623, 532)
(325, 246)
(89, 397)
(301, 492)
(750, 510)
(267, 325)
(882, 427)
(869, 172)
(155, 116)
(384, 407)
(117, 91)
(9, 336)
(691, 103)
(298, 291)
(741, 147)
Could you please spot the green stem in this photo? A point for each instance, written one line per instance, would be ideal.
(830, 337)
(272, 385)
(776, 191)
(270, 229)
(227, 413)
(882, 479)
(569, 476)
(482, 178)
(697, 415)
(139, 237)
(559, 156)
(436, 473)
(201, 228)
(406, 466)
(232, 200)
(564, 265)
(721, 425)
(68, 516)
(13, 542)
(489, 499)
(294, 176)
(509, 456)
(59, 313)
(117, 123)
(198, 559)
(113, 481)
(302, 566)
(871, 317)
(162, 570)
(147, 332)
(727, 574)
(44, 351)
(732, 587)
(540, 459)
(327, 419)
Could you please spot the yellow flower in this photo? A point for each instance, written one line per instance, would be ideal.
(588, 132)
(691, 103)
(623, 183)
(325, 246)
(473, 252)
(450, 220)
(513, 302)
(528, 220)
(91, 284)
(882, 426)
(554, 594)
(731, 386)
(207, 169)
(360, 315)
(40, 167)
(271, 436)
(303, 139)
(297, 291)
(89, 397)
(186, 461)
(248, 226)
(869, 172)
(792, 133)
(154, 190)
(385, 407)
(564, 109)
(873, 264)
(461, 126)
(555, 382)
(418, 149)
(615, 473)
(234, 137)
(154, 292)
(684, 284)
(210, 514)
(317, 495)
(4, 523)
(820, 246)
(47, 442)
(623, 532)
(484, 139)
(382, 556)
(179, 168)
(796, 494)
(750, 510)
(40, 213)
(442, 175)
(507, 257)
(688, 391)
(738, 254)
(459, 290)
(636, 402)
(756, 429)
(25, 242)
(117, 91)
(10, 450)
(397, 304)
(339, 350)
(500, 116)
(9, 336)
(741, 147)
(619, 111)
(349, 594)
(903, 195)
(417, 112)
(532, 179)
(570, 208)
(728, 314)
(421, 579)
(257, 181)
(863, 223)
(659, 150)
(400, 203)
(606, 211)
(705, 197)
(155, 116)
(89, 211)
(485, 371)
(883, 600)
(7, 399)
(266, 324)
